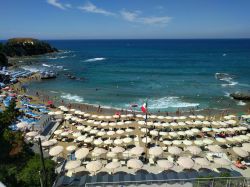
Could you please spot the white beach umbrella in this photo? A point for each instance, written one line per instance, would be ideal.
(189, 132)
(146, 140)
(195, 130)
(246, 146)
(118, 141)
(54, 151)
(108, 141)
(194, 150)
(160, 117)
(200, 117)
(120, 131)
(174, 124)
(65, 133)
(173, 134)
(189, 122)
(51, 113)
(81, 153)
(207, 141)
(141, 122)
(136, 151)
(58, 113)
(165, 124)
(80, 127)
(94, 166)
(174, 150)
(127, 122)
(187, 142)
(206, 123)
(240, 151)
(101, 133)
(181, 123)
(98, 141)
(130, 115)
(113, 165)
(202, 161)
(104, 124)
(71, 148)
(199, 142)
(181, 133)
(144, 130)
(47, 143)
(177, 142)
(185, 162)
(88, 140)
(134, 164)
(169, 117)
(154, 133)
(40, 136)
(129, 130)
(150, 123)
(163, 133)
(94, 116)
(192, 116)
(118, 149)
(167, 142)
(165, 164)
(221, 140)
(155, 151)
(120, 123)
(206, 129)
(215, 148)
(22, 125)
(81, 138)
(97, 123)
(72, 164)
(222, 161)
(76, 134)
(94, 131)
(127, 140)
(111, 133)
(32, 133)
(111, 155)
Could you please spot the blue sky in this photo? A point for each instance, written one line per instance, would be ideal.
(113, 19)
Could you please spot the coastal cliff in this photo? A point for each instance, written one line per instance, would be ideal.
(26, 47)
(18, 47)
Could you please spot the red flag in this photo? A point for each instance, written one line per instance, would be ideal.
(144, 108)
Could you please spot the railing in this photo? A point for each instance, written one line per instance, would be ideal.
(195, 182)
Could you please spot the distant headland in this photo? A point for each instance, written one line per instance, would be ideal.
(18, 47)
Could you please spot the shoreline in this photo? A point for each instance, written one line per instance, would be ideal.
(41, 97)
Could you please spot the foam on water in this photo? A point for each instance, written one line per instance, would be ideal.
(31, 69)
(241, 103)
(71, 97)
(46, 65)
(95, 59)
(168, 102)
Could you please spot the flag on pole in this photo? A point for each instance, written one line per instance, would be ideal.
(144, 108)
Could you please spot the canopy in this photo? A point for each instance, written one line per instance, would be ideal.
(72, 164)
(240, 151)
(155, 151)
(136, 150)
(81, 153)
(94, 166)
(134, 163)
(174, 150)
(54, 151)
(202, 161)
(185, 162)
(165, 164)
(194, 150)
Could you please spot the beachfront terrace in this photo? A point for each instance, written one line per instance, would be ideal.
(190, 146)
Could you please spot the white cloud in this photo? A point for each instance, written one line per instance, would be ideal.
(90, 7)
(56, 4)
(134, 16)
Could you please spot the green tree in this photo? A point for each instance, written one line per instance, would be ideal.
(29, 175)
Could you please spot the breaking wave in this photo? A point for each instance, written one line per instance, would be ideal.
(95, 59)
(241, 103)
(71, 97)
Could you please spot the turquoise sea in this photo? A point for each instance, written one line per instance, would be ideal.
(171, 74)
